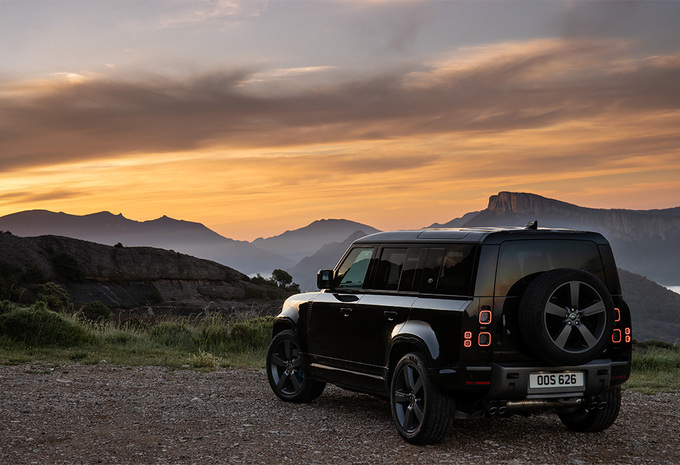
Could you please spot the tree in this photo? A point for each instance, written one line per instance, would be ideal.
(282, 278)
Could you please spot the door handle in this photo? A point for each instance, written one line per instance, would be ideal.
(345, 311)
(390, 315)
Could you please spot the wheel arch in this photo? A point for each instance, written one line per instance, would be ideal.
(282, 323)
(412, 336)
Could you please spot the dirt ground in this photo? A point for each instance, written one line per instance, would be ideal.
(80, 414)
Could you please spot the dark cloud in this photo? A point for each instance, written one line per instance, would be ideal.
(28, 197)
(533, 87)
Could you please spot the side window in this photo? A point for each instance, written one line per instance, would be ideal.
(455, 276)
(410, 274)
(389, 268)
(439, 270)
(431, 269)
(352, 272)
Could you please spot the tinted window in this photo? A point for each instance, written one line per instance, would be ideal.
(389, 268)
(439, 270)
(455, 275)
(352, 272)
(409, 280)
(431, 270)
(519, 261)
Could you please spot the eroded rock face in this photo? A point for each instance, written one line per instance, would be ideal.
(129, 277)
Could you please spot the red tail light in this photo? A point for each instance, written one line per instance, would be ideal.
(484, 339)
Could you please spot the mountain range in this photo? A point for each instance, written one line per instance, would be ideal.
(645, 242)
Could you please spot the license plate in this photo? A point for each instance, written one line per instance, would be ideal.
(556, 380)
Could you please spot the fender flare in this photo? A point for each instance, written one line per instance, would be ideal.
(419, 333)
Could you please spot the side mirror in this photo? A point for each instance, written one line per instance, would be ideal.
(324, 279)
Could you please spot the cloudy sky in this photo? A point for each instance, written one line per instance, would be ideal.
(254, 117)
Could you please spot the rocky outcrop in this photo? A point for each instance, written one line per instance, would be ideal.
(646, 242)
(130, 277)
(187, 237)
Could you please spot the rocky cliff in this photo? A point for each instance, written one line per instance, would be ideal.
(646, 242)
(126, 277)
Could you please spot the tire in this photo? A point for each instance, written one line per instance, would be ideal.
(566, 316)
(286, 370)
(421, 413)
(594, 419)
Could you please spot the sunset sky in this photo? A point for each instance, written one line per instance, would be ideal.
(255, 117)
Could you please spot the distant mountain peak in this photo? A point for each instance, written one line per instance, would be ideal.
(305, 241)
(522, 202)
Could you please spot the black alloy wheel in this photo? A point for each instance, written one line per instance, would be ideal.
(286, 370)
(421, 413)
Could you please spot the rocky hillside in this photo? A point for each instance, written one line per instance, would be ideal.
(646, 242)
(191, 238)
(655, 309)
(125, 277)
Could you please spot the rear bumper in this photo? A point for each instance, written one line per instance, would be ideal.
(510, 381)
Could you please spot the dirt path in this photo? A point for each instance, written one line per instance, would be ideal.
(78, 414)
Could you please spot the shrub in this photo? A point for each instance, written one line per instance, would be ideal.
(213, 332)
(252, 334)
(173, 334)
(204, 360)
(97, 311)
(67, 267)
(34, 275)
(657, 359)
(55, 296)
(38, 326)
(9, 279)
(119, 336)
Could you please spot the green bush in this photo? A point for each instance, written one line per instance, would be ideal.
(34, 275)
(67, 267)
(119, 336)
(55, 296)
(6, 306)
(656, 359)
(97, 311)
(252, 334)
(176, 334)
(38, 327)
(204, 360)
(213, 333)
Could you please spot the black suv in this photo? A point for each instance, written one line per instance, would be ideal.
(463, 323)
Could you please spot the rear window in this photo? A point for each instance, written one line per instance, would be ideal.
(520, 261)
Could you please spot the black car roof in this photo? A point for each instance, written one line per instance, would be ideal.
(486, 235)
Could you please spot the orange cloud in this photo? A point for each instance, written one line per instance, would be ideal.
(581, 120)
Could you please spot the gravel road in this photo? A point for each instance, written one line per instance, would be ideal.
(80, 414)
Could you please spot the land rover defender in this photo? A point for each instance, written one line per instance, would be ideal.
(463, 323)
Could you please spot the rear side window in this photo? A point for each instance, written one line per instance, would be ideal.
(431, 270)
(520, 261)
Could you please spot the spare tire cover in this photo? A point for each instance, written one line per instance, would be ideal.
(566, 316)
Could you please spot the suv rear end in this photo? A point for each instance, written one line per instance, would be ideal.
(548, 330)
